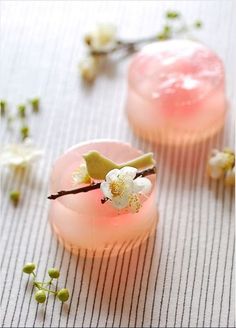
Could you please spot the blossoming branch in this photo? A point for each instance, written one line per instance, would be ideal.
(122, 184)
(103, 41)
(94, 186)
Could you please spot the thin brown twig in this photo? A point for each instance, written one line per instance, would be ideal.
(97, 185)
(124, 45)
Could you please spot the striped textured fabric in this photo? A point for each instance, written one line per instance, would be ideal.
(181, 277)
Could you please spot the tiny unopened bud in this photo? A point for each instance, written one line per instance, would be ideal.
(40, 296)
(54, 273)
(63, 295)
(29, 268)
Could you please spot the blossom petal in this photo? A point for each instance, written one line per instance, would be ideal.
(103, 37)
(112, 175)
(80, 175)
(128, 172)
(220, 159)
(142, 185)
(105, 187)
(18, 155)
(120, 201)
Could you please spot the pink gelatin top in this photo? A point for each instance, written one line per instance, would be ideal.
(176, 91)
(82, 222)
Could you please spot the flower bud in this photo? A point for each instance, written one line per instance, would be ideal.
(35, 104)
(40, 296)
(15, 197)
(29, 268)
(54, 273)
(63, 294)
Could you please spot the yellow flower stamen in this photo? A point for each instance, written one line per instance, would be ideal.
(134, 202)
(117, 187)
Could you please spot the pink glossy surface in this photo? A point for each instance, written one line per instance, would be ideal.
(82, 222)
(176, 92)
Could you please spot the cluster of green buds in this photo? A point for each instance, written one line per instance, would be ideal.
(171, 30)
(44, 288)
(21, 114)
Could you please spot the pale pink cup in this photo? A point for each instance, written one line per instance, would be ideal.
(82, 223)
(176, 92)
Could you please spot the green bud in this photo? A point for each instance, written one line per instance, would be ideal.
(24, 132)
(63, 294)
(29, 268)
(172, 14)
(54, 273)
(166, 33)
(162, 37)
(15, 197)
(35, 104)
(40, 296)
(3, 105)
(21, 111)
(198, 24)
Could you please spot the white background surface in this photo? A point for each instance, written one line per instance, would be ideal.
(183, 277)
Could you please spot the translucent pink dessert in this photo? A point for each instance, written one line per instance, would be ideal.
(176, 92)
(82, 223)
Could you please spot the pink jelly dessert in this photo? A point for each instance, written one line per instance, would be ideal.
(82, 223)
(176, 92)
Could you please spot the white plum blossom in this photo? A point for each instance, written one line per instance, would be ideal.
(219, 162)
(123, 190)
(80, 175)
(222, 164)
(19, 155)
(102, 38)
